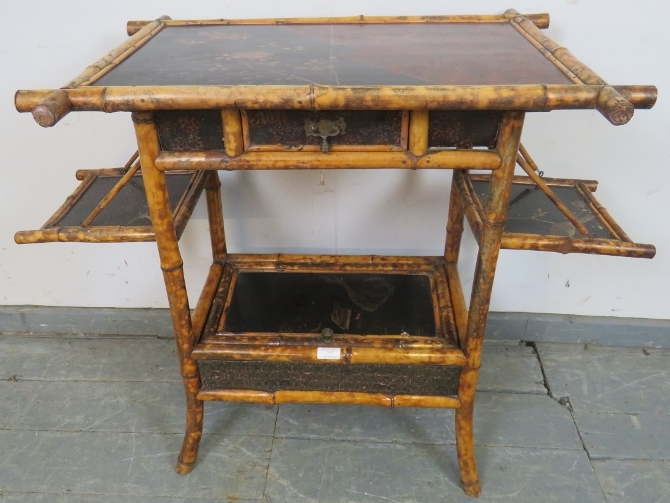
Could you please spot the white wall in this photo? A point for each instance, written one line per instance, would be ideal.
(44, 44)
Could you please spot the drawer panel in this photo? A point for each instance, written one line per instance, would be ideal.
(281, 130)
(189, 130)
(463, 128)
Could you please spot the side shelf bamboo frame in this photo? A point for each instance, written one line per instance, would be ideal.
(589, 91)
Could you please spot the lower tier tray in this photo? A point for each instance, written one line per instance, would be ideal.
(126, 216)
(330, 324)
(534, 222)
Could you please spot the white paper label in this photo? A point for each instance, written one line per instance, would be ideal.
(328, 353)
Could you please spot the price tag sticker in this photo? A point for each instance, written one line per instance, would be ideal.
(328, 353)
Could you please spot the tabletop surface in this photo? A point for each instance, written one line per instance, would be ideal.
(337, 55)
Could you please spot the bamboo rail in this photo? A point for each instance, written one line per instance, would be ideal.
(540, 20)
(592, 185)
(451, 159)
(348, 354)
(253, 396)
(313, 97)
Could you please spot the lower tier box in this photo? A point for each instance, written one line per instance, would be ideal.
(534, 222)
(341, 326)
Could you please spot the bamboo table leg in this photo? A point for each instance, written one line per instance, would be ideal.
(173, 275)
(487, 257)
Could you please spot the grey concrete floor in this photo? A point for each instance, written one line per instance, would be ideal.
(101, 420)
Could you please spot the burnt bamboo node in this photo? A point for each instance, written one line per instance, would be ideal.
(52, 109)
(613, 106)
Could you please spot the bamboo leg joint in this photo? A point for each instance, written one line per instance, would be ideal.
(176, 267)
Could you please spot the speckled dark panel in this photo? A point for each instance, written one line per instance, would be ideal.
(128, 208)
(426, 380)
(531, 212)
(463, 128)
(189, 130)
(287, 127)
(337, 55)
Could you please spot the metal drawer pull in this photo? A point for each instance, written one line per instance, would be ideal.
(324, 129)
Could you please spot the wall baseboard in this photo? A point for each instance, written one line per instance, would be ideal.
(539, 327)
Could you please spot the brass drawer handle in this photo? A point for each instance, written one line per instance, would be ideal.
(324, 129)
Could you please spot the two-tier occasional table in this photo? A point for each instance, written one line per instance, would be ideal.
(439, 92)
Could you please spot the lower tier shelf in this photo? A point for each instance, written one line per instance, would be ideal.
(329, 328)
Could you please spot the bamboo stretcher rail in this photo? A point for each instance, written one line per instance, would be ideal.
(81, 174)
(592, 185)
(313, 97)
(277, 397)
(541, 20)
(451, 159)
(364, 262)
(349, 354)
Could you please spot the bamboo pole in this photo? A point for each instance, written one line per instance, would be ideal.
(452, 159)
(205, 300)
(493, 221)
(173, 274)
(592, 185)
(188, 201)
(540, 20)
(512, 97)
(562, 244)
(232, 131)
(465, 448)
(81, 174)
(100, 234)
(418, 132)
(215, 216)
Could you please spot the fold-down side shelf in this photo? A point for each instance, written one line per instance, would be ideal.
(126, 216)
(535, 223)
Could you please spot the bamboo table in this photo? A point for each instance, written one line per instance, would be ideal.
(445, 92)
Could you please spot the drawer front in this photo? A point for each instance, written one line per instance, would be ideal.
(284, 130)
(463, 128)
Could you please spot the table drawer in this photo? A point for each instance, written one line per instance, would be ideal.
(351, 130)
